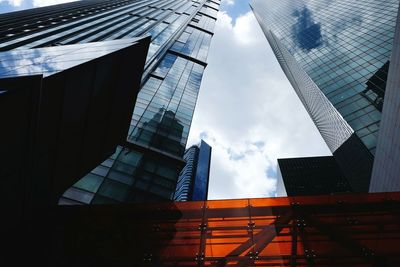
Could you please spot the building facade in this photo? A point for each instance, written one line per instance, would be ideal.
(194, 178)
(385, 174)
(336, 56)
(52, 107)
(146, 168)
(310, 176)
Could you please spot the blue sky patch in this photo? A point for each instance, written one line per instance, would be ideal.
(271, 172)
(307, 33)
(6, 7)
(240, 7)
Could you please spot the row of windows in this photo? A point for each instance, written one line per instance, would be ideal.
(203, 22)
(14, 26)
(168, 95)
(51, 34)
(129, 170)
(193, 43)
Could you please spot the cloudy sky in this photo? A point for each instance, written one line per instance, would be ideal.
(247, 110)
(14, 5)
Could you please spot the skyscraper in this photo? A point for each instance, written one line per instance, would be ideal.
(336, 56)
(147, 166)
(310, 176)
(385, 174)
(194, 177)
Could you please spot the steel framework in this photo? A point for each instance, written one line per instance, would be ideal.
(341, 230)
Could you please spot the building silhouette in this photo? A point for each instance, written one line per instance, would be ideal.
(194, 178)
(336, 56)
(147, 165)
(310, 176)
(52, 107)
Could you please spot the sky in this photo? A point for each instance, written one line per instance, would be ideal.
(246, 110)
(15, 5)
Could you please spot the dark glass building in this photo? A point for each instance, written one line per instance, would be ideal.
(147, 166)
(336, 56)
(194, 177)
(64, 110)
(310, 176)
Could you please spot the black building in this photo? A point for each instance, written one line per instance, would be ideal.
(64, 110)
(310, 176)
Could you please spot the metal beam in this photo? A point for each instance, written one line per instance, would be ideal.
(293, 260)
(260, 241)
(307, 249)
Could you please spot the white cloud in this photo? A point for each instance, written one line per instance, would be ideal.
(40, 3)
(241, 170)
(36, 3)
(249, 112)
(244, 30)
(228, 2)
(15, 3)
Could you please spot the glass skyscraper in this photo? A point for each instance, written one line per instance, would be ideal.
(146, 168)
(336, 54)
(194, 178)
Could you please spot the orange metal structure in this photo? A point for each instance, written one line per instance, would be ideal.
(341, 230)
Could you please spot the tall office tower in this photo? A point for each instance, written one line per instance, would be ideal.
(310, 176)
(147, 167)
(336, 54)
(193, 180)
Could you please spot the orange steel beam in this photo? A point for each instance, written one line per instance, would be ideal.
(259, 242)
